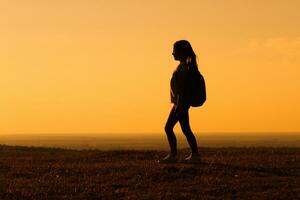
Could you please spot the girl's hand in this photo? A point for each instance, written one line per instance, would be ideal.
(178, 106)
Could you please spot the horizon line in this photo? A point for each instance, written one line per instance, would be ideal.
(134, 133)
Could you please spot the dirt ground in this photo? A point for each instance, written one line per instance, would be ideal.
(224, 173)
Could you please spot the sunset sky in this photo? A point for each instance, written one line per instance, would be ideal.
(104, 66)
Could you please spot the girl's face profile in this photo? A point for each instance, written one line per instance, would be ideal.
(176, 54)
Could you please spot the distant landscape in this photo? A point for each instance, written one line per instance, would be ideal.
(155, 141)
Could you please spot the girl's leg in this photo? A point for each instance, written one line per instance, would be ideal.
(172, 120)
(186, 129)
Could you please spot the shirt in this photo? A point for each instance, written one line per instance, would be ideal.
(178, 82)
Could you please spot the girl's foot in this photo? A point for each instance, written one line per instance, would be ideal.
(192, 159)
(171, 158)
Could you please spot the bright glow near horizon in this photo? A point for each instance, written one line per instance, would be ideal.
(105, 66)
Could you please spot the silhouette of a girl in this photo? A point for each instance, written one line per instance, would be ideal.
(182, 52)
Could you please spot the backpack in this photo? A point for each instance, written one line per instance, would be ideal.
(195, 91)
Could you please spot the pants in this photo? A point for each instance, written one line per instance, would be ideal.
(183, 119)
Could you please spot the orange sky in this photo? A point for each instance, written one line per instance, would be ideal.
(105, 66)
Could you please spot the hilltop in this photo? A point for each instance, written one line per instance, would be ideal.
(225, 173)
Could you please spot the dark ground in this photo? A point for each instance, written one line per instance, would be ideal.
(225, 173)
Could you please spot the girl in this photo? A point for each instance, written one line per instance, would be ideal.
(182, 52)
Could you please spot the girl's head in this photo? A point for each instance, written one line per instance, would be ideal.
(183, 51)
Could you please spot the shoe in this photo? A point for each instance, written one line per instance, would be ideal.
(192, 159)
(171, 158)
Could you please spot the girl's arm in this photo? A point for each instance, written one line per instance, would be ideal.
(181, 79)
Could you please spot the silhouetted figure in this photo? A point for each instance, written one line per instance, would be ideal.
(182, 52)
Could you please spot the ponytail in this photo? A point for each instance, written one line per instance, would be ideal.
(192, 62)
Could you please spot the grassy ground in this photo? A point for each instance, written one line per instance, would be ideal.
(225, 173)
